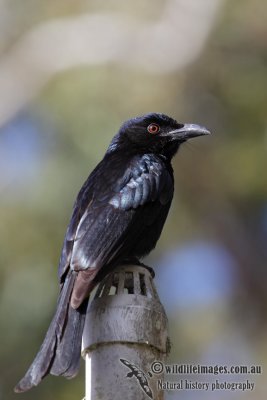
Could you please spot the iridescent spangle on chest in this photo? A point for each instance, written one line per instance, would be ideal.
(149, 181)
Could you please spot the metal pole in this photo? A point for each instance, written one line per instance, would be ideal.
(125, 332)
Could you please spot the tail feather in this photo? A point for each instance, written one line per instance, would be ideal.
(60, 351)
(68, 352)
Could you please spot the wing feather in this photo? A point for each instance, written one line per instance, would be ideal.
(112, 212)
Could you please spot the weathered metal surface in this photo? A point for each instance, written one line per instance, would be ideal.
(124, 334)
(109, 379)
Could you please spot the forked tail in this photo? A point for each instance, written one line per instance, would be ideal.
(61, 348)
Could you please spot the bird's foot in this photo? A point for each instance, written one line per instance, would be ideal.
(150, 269)
(135, 261)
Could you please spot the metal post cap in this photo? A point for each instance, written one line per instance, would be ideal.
(126, 309)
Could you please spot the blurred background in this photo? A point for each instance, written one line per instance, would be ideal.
(70, 73)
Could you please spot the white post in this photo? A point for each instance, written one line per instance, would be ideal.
(88, 377)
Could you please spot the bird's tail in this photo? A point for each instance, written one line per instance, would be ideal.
(61, 348)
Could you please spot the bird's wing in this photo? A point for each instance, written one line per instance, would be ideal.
(82, 202)
(107, 221)
(113, 212)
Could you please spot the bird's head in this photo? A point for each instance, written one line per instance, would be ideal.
(155, 133)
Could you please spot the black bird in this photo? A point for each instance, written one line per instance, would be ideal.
(117, 218)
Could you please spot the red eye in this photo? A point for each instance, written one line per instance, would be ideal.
(153, 128)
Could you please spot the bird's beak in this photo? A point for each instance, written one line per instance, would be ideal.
(188, 131)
